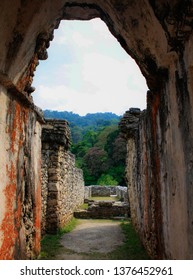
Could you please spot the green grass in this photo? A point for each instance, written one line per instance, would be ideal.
(50, 244)
(105, 198)
(132, 249)
(84, 206)
(69, 227)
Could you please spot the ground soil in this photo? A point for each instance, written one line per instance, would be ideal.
(91, 239)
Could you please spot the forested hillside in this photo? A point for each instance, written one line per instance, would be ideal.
(98, 145)
(79, 125)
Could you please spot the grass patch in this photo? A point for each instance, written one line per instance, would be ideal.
(132, 249)
(50, 244)
(84, 206)
(69, 227)
(104, 198)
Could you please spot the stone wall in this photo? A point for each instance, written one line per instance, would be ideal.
(20, 184)
(122, 193)
(104, 210)
(87, 192)
(62, 182)
(157, 194)
(102, 191)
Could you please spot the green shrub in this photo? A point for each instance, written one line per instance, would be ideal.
(107, 180)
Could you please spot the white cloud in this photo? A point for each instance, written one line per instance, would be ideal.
(81, 41)
(101, 29)
(103, 71)
(62, 98)
(60, 36)
(100, 77)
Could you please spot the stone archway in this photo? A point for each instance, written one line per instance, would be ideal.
(159, 37)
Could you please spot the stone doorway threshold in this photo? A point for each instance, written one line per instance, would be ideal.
(91, 239)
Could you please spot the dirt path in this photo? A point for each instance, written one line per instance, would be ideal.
(91, 239)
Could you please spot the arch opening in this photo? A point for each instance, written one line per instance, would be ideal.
(159, 38)
(88, 72)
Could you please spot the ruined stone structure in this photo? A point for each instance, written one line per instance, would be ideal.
(95, 190)
(104, 210)
(62, 182)
(158, 35)
(102, 191)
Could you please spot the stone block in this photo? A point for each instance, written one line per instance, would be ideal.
(105, 203)
(53, 187)
(54, 177)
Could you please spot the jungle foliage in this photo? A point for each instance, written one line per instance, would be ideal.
(98, 145)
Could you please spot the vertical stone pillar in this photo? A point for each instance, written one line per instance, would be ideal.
(129, 126)
(62, 182)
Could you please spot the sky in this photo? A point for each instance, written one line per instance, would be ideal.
(87, 71)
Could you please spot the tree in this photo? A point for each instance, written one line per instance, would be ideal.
(76, 133)
(90, 138)
(103, 135)
(119, 150)
(107, 180)
(95, 161)
(118, 173)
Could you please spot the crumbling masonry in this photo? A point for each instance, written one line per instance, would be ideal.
(62, 182)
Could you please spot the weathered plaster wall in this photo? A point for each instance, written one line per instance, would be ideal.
(62, 182)
(156, 185)
(20, 162)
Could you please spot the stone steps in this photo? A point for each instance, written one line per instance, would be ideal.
(104, 210)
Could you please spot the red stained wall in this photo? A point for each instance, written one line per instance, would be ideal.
(21, 194)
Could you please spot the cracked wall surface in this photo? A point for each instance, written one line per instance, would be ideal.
(158, 35)
(20, 184)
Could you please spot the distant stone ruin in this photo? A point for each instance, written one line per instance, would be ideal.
(120, 192)
(105, 209)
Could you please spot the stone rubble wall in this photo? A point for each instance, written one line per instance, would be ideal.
(104, 210)
(122, 193)
(62, 182)
(87, 192)
(102, 191)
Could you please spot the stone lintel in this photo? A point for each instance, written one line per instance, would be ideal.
(56, 132)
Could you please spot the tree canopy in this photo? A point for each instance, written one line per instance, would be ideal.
(98, 145)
